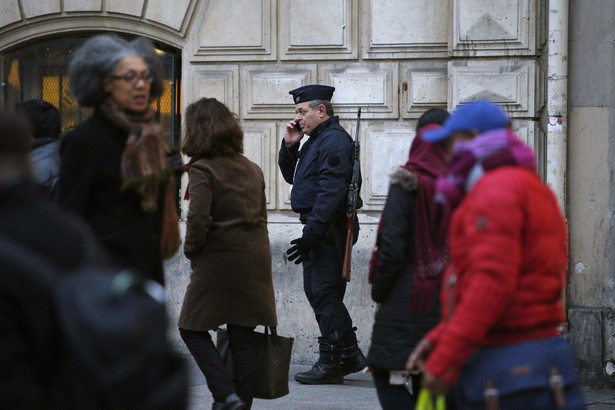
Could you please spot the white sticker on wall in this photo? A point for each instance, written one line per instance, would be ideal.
(555, 123)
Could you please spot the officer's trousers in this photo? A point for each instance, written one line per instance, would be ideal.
(325, 289)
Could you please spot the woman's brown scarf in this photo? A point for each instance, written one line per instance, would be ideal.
(144, 161)
(145, 166)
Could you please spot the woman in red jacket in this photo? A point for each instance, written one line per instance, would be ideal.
(508, 248)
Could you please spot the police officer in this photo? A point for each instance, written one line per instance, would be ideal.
(320, 173)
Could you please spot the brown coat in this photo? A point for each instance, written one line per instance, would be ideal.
(227, 243)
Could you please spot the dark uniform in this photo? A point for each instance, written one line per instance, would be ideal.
(320, 174)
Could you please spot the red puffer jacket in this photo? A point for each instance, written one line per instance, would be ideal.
(507, 273)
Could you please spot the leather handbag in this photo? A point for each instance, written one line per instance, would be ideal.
(273, 361)
(538, 374)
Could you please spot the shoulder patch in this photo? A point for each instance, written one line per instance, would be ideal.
(405, 178)
(333, 160)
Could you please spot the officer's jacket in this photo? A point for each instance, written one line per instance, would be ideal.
(320, 174)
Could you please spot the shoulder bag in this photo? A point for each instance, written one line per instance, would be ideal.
(538, 374)
(273, 362)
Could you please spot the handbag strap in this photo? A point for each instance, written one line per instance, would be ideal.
(272, 329)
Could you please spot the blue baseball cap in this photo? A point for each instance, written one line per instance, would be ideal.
(479, 116)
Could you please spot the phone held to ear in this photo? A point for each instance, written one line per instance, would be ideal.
(298, 127)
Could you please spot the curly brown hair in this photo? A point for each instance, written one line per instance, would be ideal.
(212, 130)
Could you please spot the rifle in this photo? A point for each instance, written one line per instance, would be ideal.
(351, 202)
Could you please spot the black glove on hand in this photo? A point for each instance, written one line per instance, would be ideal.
(302, 246)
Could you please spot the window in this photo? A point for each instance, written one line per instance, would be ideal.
(41, 71)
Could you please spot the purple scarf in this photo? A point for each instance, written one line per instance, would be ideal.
(471, 159)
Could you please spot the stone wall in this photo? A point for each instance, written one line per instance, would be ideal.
(591, 194)
(393, 58)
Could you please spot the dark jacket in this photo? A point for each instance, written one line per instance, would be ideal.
(396, 332)
(90, 185)
(227, 243)
(45, 160)
(29, 339)
(320, 180)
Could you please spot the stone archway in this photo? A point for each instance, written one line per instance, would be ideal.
(23, 21)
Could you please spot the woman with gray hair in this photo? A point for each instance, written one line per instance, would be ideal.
(114, 170)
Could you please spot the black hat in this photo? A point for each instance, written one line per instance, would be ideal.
(312, 92)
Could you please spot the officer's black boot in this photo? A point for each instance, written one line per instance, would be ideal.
(353, 359)
(327, 370)
(323, 372)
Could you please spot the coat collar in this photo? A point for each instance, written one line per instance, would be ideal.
(330, 122)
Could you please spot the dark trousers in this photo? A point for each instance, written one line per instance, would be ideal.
(219, 381)
(325, 289)
(393, 396)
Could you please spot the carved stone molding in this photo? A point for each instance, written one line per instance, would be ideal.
(283, 187)
(335, 38)
(37, 8)
(482, 29)
(399, 29)
(384, 146)
(424, 85)
(510, 83)
(169, 13)
(542, 23)
(133, 8)
(9, 12)
(529, 131)
(236, 30)
(259, 140)
(264, 89)
(24, 20)
(373, 86)
(526, 130)
(82, 5)
(220, 82)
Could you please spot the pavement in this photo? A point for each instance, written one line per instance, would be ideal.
(357, 392)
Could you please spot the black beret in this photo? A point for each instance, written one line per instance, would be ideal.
(312, 92)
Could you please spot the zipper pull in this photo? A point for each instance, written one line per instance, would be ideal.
(452, 279)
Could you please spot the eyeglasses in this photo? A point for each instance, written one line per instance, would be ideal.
(133, 79)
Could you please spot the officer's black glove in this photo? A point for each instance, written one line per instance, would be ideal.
(302, 246)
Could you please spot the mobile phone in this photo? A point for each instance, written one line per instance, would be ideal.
(298, 127)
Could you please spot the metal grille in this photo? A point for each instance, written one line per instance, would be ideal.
(164, 109)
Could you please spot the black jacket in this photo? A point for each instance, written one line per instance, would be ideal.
(396, 332)
(320, 174)
(29, 339)
(90, 185)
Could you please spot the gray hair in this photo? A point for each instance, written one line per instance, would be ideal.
(328, 106)
(95, 60)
